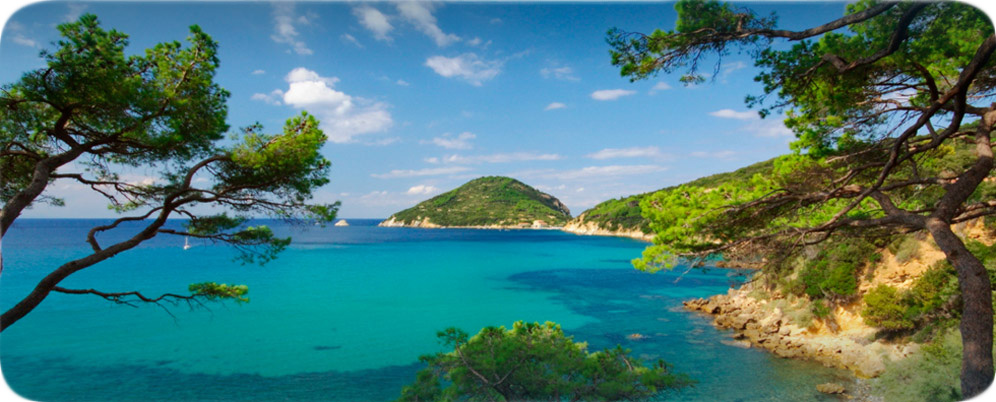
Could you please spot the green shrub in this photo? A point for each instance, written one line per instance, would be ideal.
(907, 249)
(821, 309)
(931, 374)
(884, 308)
(534, 362)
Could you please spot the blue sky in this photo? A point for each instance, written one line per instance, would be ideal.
(418, 98)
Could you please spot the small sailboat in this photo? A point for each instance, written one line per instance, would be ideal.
(186, 243)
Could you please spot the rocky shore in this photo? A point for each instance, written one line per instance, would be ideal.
(579, 226)
(426, 223)
(757, 325)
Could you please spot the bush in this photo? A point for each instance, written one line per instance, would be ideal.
(884, 308)
(931, 374)
(534, 362)
(907, 249)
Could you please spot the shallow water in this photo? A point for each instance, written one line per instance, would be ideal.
(345, 312)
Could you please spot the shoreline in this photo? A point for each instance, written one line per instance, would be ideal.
(568, 228)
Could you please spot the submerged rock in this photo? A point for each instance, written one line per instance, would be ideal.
(830, 388)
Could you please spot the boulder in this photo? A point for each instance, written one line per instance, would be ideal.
(830, 388)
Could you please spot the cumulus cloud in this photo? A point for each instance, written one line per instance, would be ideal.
(419, 14)
(401, 173)
(594, 172)
(757, 126)
(468, 67)
(660, 86)
(450, 141)
(610, 94)
(421, 189)
(285, 30)
(733, 114)
(74, 12)
(501, 158)
(564, 73)
(374, 21)
(343, 116)
(634, 152)
(402, 83)
(351, 40)
(555, 105)
(272, 98)
(24, 40)
(713, 154)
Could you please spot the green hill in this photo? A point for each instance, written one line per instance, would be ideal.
(486, 201)
(623, 214)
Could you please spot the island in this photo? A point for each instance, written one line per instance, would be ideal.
(492, 202)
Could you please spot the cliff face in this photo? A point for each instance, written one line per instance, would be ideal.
(487, 202)
(757, 324)
(580, 226)
(773, 321)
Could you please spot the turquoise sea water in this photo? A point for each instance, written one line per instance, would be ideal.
(345, 312)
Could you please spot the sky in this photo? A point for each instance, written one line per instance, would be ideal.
(418, 98)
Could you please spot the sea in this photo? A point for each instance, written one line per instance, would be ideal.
(344, 313)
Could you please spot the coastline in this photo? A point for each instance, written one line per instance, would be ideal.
(570, 227)
(755, 323)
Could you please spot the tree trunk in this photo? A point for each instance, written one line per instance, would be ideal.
(45, 286)
(977, 310)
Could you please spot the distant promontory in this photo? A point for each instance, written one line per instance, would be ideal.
(486, 202)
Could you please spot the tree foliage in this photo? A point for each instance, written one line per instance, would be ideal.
(881, 100)
(534, 362)
(94, 113)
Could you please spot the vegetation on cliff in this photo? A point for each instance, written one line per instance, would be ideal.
(488, 201)
(878, 99)
(626, 214)
(534, 362)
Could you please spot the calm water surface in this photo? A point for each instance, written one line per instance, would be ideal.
(345, 312)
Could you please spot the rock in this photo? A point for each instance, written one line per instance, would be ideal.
(342, 222)
(830, 388)
(635, 337)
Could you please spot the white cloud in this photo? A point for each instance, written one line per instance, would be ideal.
(467, 66)
(284, 27)
(501, 158)
(610, 94)
(351, 39)
(564, 73)
(74, 12)
(402, 83)
(768, 128)
(24, 41)
(730, 68)
(419, 14)
(343, 116)
(449, 141)
(374, 21)
(634, 152)
(713, 154)
(258, 72)
(757, 126)
(433, 160)
(555, 105)
(733, 114)
(383, 141)
(272, 98)
(422, 189)
(398, 173)
(660, 86)
(474, 42)
(592, 172)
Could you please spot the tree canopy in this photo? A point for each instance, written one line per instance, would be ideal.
(892, 109)
(534, 362)
(94, 112)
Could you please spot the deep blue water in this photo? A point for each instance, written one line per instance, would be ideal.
(344, 313)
